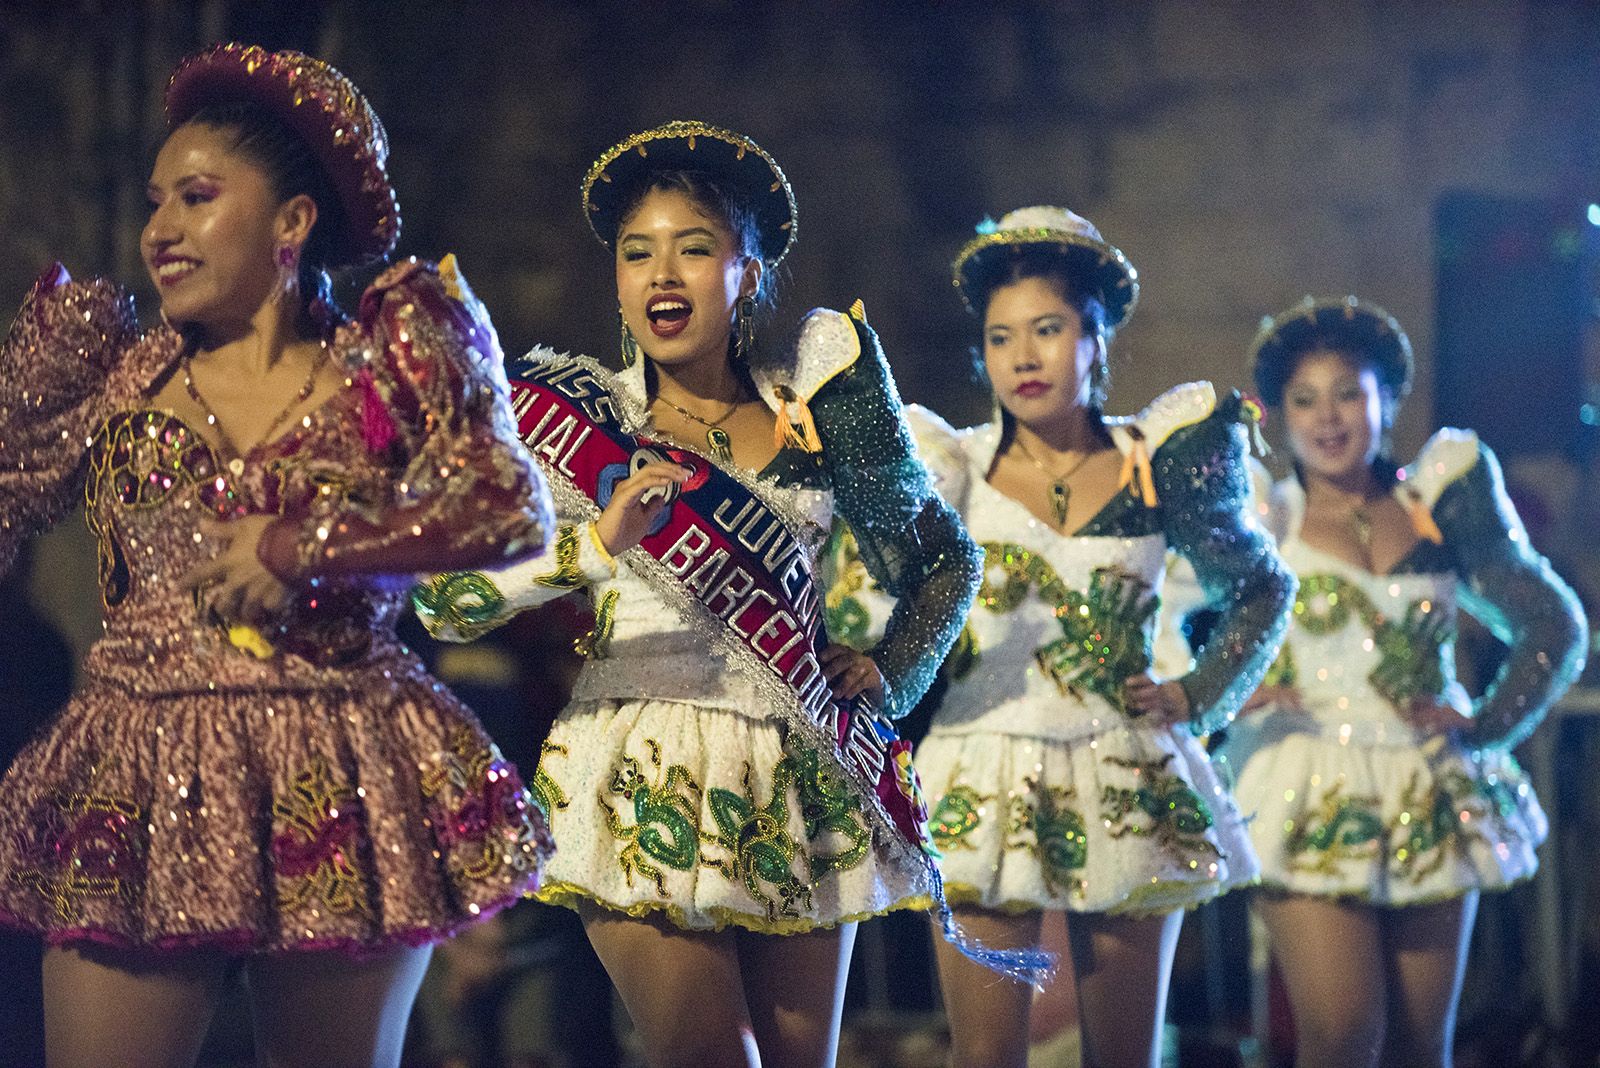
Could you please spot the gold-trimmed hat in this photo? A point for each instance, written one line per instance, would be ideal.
(1341, 323)
(694, 146)
(1100, 266)
(327, 110)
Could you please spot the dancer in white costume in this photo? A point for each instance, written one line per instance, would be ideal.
(1065, 774)
(718, 828)
(1382, 799)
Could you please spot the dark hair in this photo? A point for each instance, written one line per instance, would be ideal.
(725, 203)
(1037, 261)
(292, 170)
(1362, 339)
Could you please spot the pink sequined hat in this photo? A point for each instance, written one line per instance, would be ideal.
(326, 109)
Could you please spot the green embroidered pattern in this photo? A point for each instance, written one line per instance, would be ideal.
(567, 575)
(1335, 830)
(467, 602)
(760, 852)
(1412, 650)
(1043, 823)
(1106, 630)
(846, 618)
(1163, 807)
(666, 814)
(596, 645)
(548, 796)
(956, 816)
(828, 807)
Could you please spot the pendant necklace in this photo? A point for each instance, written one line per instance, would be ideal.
(716, 438)
(1060, 492)
(236, 463)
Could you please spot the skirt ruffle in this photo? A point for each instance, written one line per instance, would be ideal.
(260, 822)
(1390, 825)
(1128, 821)
(706, 817)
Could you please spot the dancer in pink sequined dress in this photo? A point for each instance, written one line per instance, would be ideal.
(253, 764)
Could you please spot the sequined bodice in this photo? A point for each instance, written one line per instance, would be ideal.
(152, 480)
(1058, 625)
(1361, 646)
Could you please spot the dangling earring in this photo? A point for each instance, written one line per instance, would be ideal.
(288, 258)
(630, 347)
(745, 326)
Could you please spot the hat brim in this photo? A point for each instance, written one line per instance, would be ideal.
(694, 146)
(1099, 267)
(326, 110)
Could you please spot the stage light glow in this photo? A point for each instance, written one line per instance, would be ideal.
(1594, 214)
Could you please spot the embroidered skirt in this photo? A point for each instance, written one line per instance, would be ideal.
(265, 821)
(706, 817)
(1391, 824)
(1125, 821)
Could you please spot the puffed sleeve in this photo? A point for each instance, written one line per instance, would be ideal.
(435, 400)
(911, 541)
(1203, 483)
(1512, 589)
(53, 367)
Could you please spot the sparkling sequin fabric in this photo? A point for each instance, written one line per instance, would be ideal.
(1046, 793)
(672, 785)
(321, 790)
(1348, 799)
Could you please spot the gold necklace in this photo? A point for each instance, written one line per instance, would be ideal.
(1060, 492)
(716, 438)
(236, 464)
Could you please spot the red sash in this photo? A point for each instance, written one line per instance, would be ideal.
(721, 551)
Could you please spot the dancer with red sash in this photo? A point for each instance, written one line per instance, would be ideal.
(726, 788)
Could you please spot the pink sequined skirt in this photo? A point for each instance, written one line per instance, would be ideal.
(357, 819)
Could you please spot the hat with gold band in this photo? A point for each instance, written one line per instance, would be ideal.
(694, 146)
(326, 110)
(1340, 324)
(1086, 256)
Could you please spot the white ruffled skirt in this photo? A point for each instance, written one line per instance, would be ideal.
(1362, 814)
(706, 817)
(1129, 820)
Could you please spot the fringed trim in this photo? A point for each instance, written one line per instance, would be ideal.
(571, 895)
(1136, 469)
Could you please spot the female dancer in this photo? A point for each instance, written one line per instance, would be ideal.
(1383, 798)
(723, 775)
(255, 769)
(1068, 776)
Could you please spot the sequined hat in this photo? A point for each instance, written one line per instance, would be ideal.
(1086, 256)
(1341, 323)
(326, 109)
(694, 146)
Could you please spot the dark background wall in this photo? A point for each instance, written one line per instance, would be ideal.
(1242, 154)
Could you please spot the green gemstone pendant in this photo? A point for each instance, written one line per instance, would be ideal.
(721, 445)
(1060, 495)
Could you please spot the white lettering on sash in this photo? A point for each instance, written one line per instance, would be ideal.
(566, 457)
(749, 602)
(730, 525)
(705, 576)
(686, 550)
(730, 591)
(553, 443)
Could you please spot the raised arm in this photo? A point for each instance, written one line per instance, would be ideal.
(53, 367)
(435, 399)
